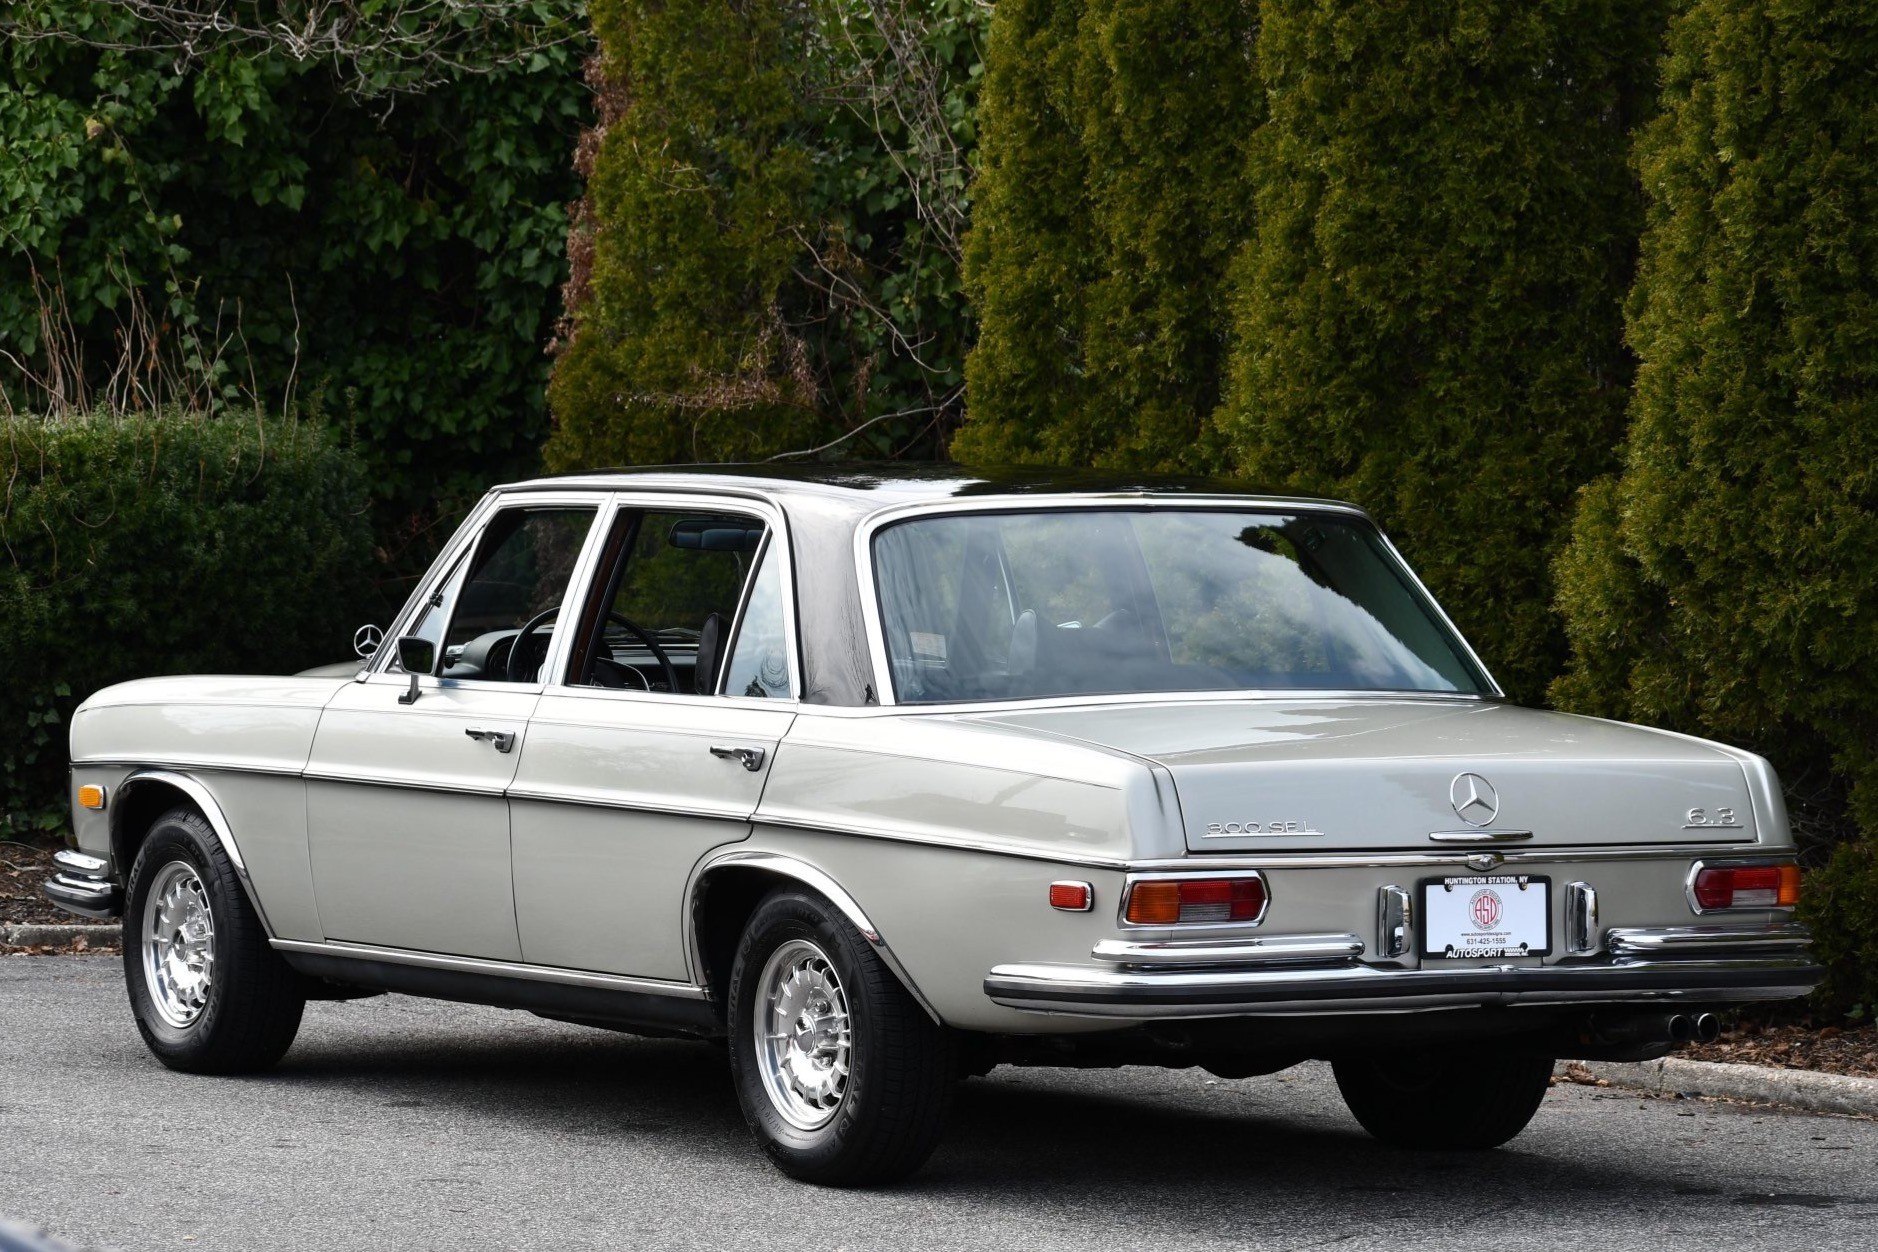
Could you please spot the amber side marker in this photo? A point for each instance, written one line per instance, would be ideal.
(91, 796)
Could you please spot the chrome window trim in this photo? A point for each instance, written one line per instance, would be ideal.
(776, 524)
(878, 520)
(460, 544)
(1725, 861)
(504, 969)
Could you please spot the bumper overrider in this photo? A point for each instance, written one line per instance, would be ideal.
(82, 884)
(1324, 974)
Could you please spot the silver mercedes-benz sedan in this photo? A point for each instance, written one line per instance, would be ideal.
(888, 776)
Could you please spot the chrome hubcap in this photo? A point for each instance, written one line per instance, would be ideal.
(178, 944)
(803, 1035)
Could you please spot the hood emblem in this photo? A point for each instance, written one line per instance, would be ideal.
(1474, 799)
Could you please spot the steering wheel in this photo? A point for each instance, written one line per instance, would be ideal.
(517, 673)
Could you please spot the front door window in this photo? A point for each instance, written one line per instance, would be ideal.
(502, 603)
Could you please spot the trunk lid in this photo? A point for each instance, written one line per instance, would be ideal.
(1400, 774)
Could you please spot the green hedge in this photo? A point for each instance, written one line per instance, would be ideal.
(131, 547)
(1840, 903)
(1110, 201)
(1429, 319)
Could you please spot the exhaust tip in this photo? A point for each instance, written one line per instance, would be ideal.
(1707, 1028)
(1681, 1028)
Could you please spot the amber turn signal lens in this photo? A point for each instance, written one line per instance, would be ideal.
(1168, 903)
(1747, 886)
(1072, 897)
(91, 796)
(1154, 903)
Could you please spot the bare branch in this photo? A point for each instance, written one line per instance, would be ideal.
(375, 49)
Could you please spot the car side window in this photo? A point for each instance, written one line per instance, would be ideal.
(662, 610)
(503, 601)
(759, 662)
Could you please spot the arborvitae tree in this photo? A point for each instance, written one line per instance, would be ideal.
(681, 348)
(1429, 320)
(767, 257)
(1108, 207)
(1726, 582)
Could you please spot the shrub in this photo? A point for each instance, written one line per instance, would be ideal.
(373, 208)
(1723, 583)
(1429, 319)
(138, 546)
(766, 258)
(1841, 905)
(1109, 204)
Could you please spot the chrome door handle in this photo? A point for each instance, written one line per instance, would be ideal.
(500, 740)
(752, 758)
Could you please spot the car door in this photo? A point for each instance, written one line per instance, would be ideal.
(407, 820)
(653, 744)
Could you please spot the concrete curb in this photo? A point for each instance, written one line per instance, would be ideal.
(1794, 1088)
(28, 935)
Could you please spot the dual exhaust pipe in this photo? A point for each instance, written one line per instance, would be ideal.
(1694, 1027)
(1657, 1028)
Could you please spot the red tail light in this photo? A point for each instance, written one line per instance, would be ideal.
(1172, 902)
(1746, 887)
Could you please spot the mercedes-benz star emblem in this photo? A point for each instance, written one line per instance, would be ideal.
(1474, 799)
(366, 640)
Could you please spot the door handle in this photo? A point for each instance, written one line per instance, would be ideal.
(500, 740)
(752, 758)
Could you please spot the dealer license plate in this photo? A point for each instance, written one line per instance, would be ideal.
(1475, 917)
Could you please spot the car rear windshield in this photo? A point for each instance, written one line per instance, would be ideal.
(1074, 601)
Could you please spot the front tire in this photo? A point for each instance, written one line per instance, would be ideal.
(842, 1076)
(209, 995)
(1436, 1101)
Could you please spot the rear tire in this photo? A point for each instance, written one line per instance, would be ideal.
(844, 1079)
(209, 995)
(1441, 1102)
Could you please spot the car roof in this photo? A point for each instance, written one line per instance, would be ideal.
(869, 486)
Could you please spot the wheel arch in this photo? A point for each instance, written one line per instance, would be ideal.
(147, 794)
(726, 891)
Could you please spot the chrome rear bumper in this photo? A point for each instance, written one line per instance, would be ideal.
(1687, 964)
(83, 886)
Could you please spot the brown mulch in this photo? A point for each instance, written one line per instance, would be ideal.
(1829, 1049)
(25, 863)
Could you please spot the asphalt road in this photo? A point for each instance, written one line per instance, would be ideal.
(408, 1124)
